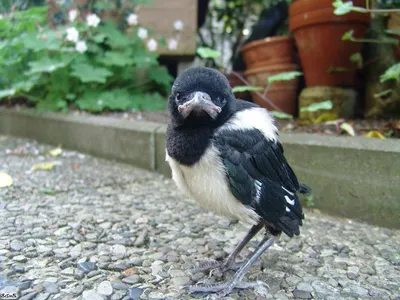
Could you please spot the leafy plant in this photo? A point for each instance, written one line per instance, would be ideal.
(285, 76)
(393, 72)
(86, 62)
(313, 107)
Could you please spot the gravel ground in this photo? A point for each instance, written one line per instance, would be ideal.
(95, 229)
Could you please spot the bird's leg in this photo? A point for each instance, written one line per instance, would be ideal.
(229, 262)
(227, 287)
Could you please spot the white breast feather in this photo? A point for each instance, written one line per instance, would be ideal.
(253, 118)
(206, 182)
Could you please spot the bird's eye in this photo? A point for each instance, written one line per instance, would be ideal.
(178, 96)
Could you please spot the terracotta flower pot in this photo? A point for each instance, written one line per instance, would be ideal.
(282, 93)
(318, 32)
(268, 51)
(235, 81)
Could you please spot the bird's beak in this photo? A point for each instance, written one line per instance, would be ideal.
(198, 102)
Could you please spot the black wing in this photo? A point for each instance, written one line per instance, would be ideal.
(259, 176)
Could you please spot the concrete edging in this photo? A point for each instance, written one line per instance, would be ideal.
(352, 177)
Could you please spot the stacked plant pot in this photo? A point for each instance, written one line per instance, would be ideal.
(325, 57)
(267, 57)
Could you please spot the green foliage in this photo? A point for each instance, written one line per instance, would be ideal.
(393, 73)
(205, 52)
(313, 107)
(285, 76)
(348, 35)
(246, 88)
(90, 67)
(309, 200)
(342, 8)
(280, 115)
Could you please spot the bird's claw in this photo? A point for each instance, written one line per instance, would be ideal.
(221, 290)
(215, 266)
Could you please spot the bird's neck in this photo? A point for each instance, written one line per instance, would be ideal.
(187, 144)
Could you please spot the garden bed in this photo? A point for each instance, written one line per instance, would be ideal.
(388, 128)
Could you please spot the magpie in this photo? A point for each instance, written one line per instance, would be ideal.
(226, 154)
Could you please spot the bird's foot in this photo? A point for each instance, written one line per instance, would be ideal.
(223, 289)
(215, 266)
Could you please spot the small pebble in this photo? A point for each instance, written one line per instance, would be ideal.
(131, 279)
(92, 295)
(86, 266)
(105, 288)
(134, 293)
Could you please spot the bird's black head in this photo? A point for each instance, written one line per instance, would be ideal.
(200, 96)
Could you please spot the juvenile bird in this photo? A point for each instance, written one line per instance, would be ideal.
(225, 153)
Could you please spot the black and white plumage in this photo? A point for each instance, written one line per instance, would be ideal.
(225, 153)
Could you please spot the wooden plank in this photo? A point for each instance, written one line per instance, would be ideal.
(160, 17)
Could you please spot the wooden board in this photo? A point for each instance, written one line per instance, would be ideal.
(162, 14)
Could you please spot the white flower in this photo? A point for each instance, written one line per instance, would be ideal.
(132, 19)
(80, 46)
(142, 33)
(152, 45)
(99, 102)
(1, 16)
(72, 14)
(72, 34)
(172, 44)
(178, 25)
(92, 20)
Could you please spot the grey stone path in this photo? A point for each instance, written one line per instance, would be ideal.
(95, 229)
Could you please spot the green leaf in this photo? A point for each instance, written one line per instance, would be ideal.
(99, 38)
(48, 40)
(101, 5)
(285, 76)
(45, 64)
(161, 76)
(342, 8)
(112, 58)
(51, 104)
(27, 84)
(114, 37)
(148, 102)
(348, 35)
(356, 58)
(246, 88)
(324, 105)
(89, 73)
(383, 93)
(117, 99)
(393, 73)
(280, 115)
(205, 52)
(7, 93)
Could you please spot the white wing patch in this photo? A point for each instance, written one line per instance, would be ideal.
(258, 186)
(253, 118)
(287, 191)
(288, 200)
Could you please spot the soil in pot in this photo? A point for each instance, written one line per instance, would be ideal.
(269, 51)
(282, 94)
(318, 32)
